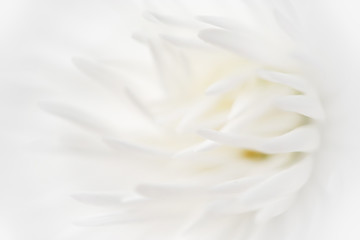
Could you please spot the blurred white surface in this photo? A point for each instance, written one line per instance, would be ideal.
(38, 39)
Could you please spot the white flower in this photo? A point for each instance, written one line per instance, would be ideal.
(232, 124)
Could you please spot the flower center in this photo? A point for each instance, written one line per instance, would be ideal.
(237, 105)
(253, 155)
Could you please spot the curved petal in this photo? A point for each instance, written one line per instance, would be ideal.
(101, 199)
(301, 139)
(77, 116)
(136, 148)
(274, 209)
(290, 80)
(167, 190)
(304, 105)
(269, 191)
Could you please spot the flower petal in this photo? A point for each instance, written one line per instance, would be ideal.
(172, 67)
(120, 218)
(236, 186)
(136, 148)
(170, 20)
(203, 146)
(101, 199)
(100, 73)
(301, 139)
(296, 82)
(112, 81)
(274, 209)
(166, 190)
(244, 44)
(224, 85)
(225, 23)
(139, 104)
(78, 116)
(280, 185)
(270, 191)
(305, 105)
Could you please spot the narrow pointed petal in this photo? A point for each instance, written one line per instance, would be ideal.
(301, 139)
(172, 68)
(112, 81)
(225, 23)
(100, 73)
(296, 82)
(139, 104)
(274, 209)
(169, 191)
(112, 219)
(280, 185)
(247, 45)
(201, 147)
(170, 20)
(245, 104)
(77, 116)
(305, 105)
(101, 199)
(237, 186)
(227, 84)
(184, 42)
(193, 112)
(136, 148)
(273, 189)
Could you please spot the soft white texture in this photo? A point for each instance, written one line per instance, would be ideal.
(342, 100)
(215, 120)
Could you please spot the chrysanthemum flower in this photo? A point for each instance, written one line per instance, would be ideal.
(221, 139)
